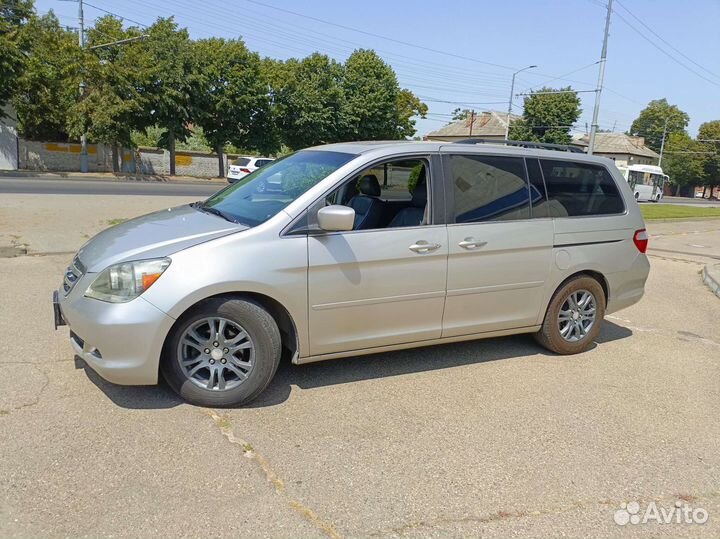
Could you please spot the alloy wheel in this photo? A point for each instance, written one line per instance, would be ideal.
(216, 354)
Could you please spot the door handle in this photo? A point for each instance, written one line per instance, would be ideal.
(424, 247)
(471, 243)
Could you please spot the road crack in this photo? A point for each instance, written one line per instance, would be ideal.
(223, 423)
(36, 400)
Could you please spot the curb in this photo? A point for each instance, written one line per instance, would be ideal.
(102, 177)
(711, 277)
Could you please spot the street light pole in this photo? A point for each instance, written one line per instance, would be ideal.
(601, 77)
(512, 89)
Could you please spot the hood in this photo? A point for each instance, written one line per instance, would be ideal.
(154, 235)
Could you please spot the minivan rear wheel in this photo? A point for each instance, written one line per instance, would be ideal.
(573, 318)
(224, 353)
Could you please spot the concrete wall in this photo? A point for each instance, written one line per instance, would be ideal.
(8, 142)
(62, 156)
(65, 157)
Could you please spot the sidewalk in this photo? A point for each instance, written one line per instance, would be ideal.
(106, 176)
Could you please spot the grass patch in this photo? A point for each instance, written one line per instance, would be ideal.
(113, 222)
(673, 211)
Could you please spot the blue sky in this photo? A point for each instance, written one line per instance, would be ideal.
(484, 42)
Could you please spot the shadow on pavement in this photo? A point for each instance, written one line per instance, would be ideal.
(354, 369)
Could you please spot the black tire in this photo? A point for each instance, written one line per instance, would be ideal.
(261, 329)
(549, 335)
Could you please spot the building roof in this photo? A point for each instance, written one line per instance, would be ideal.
(619, 143)
(488, 123)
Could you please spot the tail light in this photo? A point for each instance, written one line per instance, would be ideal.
(245, 170)
(640, 239)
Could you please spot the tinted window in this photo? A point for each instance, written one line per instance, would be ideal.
(263, 162)
(489, 188)
(538, 195)
(581, 188)
(242, 161)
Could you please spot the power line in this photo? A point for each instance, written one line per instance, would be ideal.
(116, 15)
(379, 36)
(666, 53)
(653, 32)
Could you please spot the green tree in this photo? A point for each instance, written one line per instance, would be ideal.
(113, 104)
(233, 101)
(14, 15)
(709, 141)
(683, 160)
(650, 124)
(48, 87)
(408, 106)
(460, 114)
(170, 83)
(371, 96)
(309, 101)
(547, 117)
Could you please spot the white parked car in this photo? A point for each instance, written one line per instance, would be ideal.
(242, 166)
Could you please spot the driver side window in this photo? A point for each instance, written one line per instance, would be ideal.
(388, 195)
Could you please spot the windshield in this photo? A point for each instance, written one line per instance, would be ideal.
(262, 194)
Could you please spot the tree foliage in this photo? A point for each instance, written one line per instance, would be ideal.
(371, 94)
(14, 16)
(650, 124)
(460, 114)
(683, 160)
(309, 99)
(233, 100)
(112, 103)
(547, 117)
(162, 88)
(169, 83)
(709, 141)
(48, 86)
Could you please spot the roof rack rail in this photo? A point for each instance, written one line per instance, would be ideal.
(523, 144)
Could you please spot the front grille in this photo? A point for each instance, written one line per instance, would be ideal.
(72, 274)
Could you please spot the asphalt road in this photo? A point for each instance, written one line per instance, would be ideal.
(55, 186)
(493, 438)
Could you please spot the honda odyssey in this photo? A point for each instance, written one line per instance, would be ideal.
(363, 247)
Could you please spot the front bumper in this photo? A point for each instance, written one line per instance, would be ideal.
(122, 342)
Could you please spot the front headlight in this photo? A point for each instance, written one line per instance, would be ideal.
(126, 281)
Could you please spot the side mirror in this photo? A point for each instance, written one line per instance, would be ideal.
(336, 218)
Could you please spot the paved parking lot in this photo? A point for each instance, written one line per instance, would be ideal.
(492, 438)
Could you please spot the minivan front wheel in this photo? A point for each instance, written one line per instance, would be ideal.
(223, 354)
(573, 318)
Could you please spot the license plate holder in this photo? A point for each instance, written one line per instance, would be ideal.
(57, 313)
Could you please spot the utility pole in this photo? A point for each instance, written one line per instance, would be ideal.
(81, 41)
(472, 120)
(601, 77)
(662, 144)
(512, 90)
(83, 137)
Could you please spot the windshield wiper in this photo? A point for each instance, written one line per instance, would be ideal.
(214, 211)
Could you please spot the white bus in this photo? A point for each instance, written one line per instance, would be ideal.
(646, 181)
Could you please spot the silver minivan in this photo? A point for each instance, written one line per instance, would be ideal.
(366, 247)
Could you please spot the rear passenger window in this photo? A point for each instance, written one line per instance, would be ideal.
(489, 188)
(575, 188)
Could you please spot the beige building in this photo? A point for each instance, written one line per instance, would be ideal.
(489, 125)
(624, 149)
